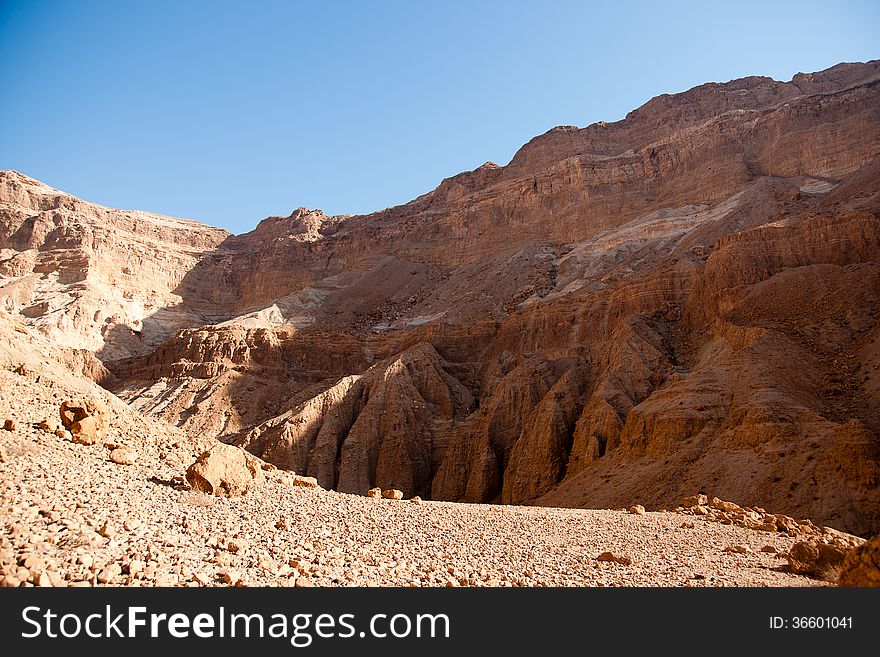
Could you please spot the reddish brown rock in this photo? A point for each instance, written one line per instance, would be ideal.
(861, 567)
(616, 558)
(816, 558)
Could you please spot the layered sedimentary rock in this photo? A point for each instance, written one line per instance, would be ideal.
(684, 300)
(94, 278)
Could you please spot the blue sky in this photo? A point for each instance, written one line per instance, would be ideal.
(228, 112)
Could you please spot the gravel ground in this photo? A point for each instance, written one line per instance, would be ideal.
(70, 516)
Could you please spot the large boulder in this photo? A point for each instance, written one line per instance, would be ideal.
(862, 566)
(86, 419)
(224, 470)
(816, 558)
(695, 500)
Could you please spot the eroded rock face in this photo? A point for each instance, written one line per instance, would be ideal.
(684, 300)
(94, 278)
(375, 428)
(224, 470)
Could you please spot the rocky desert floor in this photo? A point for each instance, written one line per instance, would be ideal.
(73, 517)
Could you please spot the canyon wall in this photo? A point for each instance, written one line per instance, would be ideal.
(687, 299)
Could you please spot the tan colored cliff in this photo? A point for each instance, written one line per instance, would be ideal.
(95, 278)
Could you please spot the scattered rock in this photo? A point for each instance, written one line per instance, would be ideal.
(392, 494)
(9, 425)
(31, 562)
(737, 549)
(756, 518)
(49, 426)
(135, 566)
(721, 505)
(374, 492)
(416, 500)
(111, 571)
(695, 500)
(224, 470)
(616, 558)
(305, 482)
(231, 577)
(330, 539)
(769, 549)
(765, 527)
(123, 456)
(201, 579)
(784, 523)
(637, 509)
(861, 567)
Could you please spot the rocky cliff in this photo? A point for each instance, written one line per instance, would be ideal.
(683, 300)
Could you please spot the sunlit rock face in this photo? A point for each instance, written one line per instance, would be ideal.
(684, 300)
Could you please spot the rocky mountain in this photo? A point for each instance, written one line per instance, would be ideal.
(684, 300)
